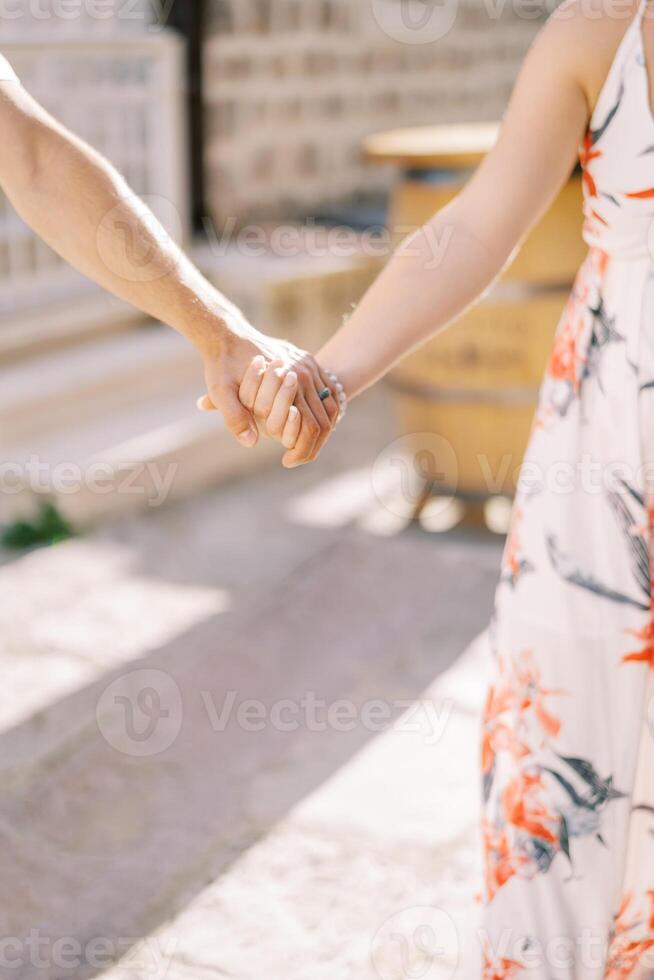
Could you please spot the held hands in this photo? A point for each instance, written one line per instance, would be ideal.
(277, 384)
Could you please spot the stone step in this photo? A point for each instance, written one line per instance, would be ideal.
(50, 326)
(130, 459)
(50, 392)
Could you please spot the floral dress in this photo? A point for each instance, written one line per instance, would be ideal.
(568, 728)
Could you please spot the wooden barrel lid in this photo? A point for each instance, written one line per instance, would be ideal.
(425, 147)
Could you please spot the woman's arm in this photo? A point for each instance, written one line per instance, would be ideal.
(78, 203)
(438, 272)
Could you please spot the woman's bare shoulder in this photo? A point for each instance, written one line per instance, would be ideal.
(584, 36)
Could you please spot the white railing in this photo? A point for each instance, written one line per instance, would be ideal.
(125, 96)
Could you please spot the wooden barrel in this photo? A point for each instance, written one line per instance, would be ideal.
(476, 384)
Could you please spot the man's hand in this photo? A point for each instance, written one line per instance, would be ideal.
(245, 382)
(78, 203)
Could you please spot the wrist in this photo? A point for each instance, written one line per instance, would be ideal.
(338, 392)
(210, 339)
(211, 330)
(346, 374)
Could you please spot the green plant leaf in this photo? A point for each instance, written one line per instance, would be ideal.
(48, 527)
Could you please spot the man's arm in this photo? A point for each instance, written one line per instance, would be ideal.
(79, 204)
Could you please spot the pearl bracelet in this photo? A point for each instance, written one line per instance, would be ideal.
(340, 395)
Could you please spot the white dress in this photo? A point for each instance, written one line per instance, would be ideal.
(7, 73)
(568, 731)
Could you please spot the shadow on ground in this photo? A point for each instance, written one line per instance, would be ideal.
(250, 625)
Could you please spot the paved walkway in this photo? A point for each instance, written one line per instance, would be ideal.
(238, 738)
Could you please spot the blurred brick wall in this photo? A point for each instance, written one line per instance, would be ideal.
(292, 86)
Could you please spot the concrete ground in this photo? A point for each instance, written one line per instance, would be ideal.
(238, 735)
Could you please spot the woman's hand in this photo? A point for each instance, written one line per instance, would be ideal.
(269, 392)
(245, 380)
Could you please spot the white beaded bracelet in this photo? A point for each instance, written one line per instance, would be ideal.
(340, 395)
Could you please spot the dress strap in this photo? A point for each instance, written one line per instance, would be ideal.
(642, 6)
(7, 73)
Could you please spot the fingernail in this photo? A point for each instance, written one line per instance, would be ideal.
(248, 438)
(290, 379)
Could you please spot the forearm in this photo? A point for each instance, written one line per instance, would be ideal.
(431, 279)
(78, 203)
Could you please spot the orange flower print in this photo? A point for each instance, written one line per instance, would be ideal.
(524, 809)
(514, 563)
(600, 260)
(513, 702)
(646, 654)
(568, 363)
(498, 735)
(565, 359)
(628, 946)
(532, 809)
(533, 695)
(501, 861)
(598, 217)
(500, 969)
(587, 154)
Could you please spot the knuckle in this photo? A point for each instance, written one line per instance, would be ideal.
(261, 408)
(290, 437)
